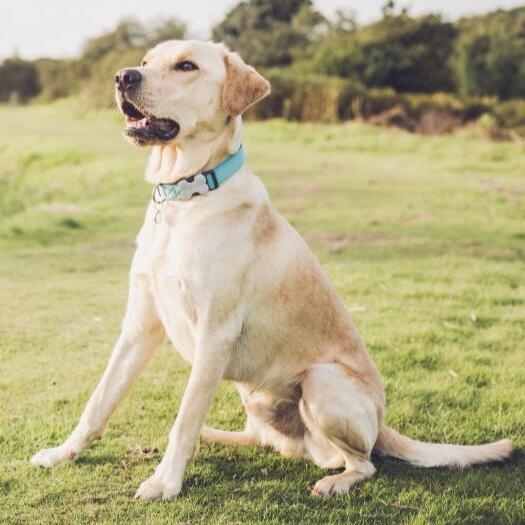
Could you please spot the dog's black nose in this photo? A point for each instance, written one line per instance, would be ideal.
(127, 78)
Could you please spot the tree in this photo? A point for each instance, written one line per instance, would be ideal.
(171, 29)
(19, 80)
(271, 32)
(124, 46)
(408, 54)
(131, 34)
(489, 55)
(388, 8)
(345, 21)
(58, 78)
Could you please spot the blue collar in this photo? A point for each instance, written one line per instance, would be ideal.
(200, 184)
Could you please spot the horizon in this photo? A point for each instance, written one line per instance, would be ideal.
(27, 36)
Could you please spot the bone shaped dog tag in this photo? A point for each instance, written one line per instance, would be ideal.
(189, 188)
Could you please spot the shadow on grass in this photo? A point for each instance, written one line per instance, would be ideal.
(498, 479)
(253, 473)
(228, 485)
(88, 460)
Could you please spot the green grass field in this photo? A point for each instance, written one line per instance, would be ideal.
(424, 239)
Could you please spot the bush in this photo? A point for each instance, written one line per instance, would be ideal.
(19, 80)
(315, 98)
(420, 104)
(376, 101)
(59, 78)
(301, 96)
(99, 90)
(511, 115)
(305, 97)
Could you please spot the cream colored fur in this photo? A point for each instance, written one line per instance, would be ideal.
(242, 298)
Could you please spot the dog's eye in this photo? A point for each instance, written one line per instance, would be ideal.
(186, 65)
(144, 63)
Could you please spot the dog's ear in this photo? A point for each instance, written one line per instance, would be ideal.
(243, 85)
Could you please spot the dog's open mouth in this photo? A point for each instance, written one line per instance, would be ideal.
(146, 129)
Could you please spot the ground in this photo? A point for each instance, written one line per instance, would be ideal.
(424, 240)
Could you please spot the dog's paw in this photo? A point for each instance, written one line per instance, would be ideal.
(49, 457)
(157, 488)
(335, 485)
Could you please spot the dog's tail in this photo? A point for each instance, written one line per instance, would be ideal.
(391, 443)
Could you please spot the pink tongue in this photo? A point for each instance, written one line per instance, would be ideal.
(130, 121)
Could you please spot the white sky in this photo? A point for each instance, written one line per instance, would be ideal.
(57, 28)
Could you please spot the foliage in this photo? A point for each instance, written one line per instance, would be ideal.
(98, 89)
(270, 32)
(307, 97)
(19, 80)
(416, 72)
(511, 115)
(131, 34)
(124, 46)
(401, 52)
(319, 98)
(423, 240)
(489, 55)
(60, 78)
(92, 73)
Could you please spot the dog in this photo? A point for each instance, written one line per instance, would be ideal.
(237, 290)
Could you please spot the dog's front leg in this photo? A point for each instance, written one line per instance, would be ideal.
(209, 364)
(141, 334)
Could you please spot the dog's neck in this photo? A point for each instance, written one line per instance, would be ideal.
(172, 162)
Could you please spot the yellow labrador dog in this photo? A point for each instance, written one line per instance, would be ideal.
(236, 289)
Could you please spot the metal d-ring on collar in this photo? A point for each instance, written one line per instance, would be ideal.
(198, 184)
(158, 202)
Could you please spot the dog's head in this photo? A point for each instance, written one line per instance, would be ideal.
(184, 89)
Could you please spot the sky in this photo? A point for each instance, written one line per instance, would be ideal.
(58, 28)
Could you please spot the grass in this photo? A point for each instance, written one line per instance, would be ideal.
(423, 238)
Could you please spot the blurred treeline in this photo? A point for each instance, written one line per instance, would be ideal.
(421, 73)
(91, 74)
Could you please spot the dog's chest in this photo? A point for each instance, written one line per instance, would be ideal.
(182, 262)
(202, 273)
(171, 265)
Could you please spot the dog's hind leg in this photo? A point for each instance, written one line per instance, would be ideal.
(342, 423)
(246, 437)
(272, 419)
(141, 334)
(224, 437)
